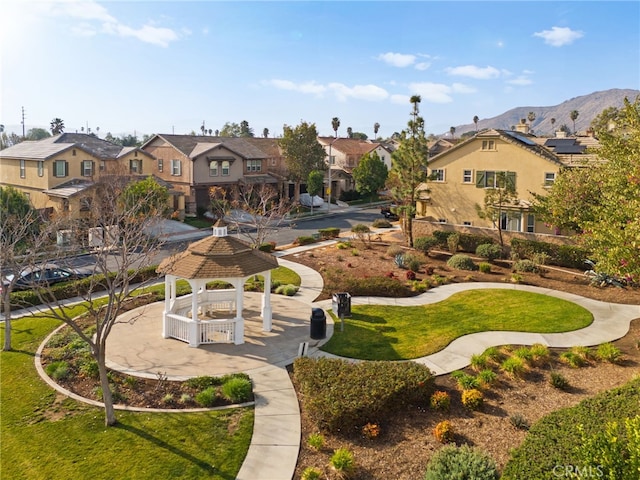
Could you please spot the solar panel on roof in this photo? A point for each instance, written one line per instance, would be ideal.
(520, 138)
(556, 142)
(569, 149)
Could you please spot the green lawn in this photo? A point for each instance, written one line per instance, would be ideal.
(47, 436)
(377, 332)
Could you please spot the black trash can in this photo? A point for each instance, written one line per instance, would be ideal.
(318, 329)
(341, 304)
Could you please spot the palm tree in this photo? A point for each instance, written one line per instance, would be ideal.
(265, 132)
(376, 127)
(531, 117)
(475, 120)
(452, 130)
(335, 124)
(57, 126)
(574, 116)
(349, 132)
(553, 121)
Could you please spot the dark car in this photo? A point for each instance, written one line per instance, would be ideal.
(45, 274)
(389, 212)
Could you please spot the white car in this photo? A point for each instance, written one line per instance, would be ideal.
(306, 200)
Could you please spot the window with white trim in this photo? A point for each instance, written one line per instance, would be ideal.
(467, 176)
(213, 169)
(437, 175)
(493, 179)
(40, 168)
(23, 169)
(254, 165)
(87, 168)
(488, 145)
(160, 165)
(549, 178)
(226, 165)
(510, 221)
(176, 168)
(60, 168)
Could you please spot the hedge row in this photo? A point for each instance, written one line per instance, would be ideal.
(341, 396)
(568, 256)
(468, 241)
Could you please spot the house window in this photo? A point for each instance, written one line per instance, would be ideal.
(160, 165)
(491, 179)
(213, 169)
(332, 160)
(40, 168)
(437, 175)
(510, 221)
(102, 165)
(176, 168)
(23, 170)
(549, 178)
(65, 204)
(225, 168)
(273, 162)
(467, 176)
(135, 166)
(87, 168)
(60, 168)
(531, 223)
(73, 152)
(488, 145)
(254, 165)
(85, 204)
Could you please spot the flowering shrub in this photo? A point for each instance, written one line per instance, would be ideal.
(371, 430)
(411, 275)
(444, 432)
(440, 401)
(472, 399)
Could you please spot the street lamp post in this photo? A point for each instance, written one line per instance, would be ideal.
(330, 186)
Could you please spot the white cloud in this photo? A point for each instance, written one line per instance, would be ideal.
(472, 71)
(148, 34)
(423, 66)
(559, 36)
(432, 92)
(399, 99)
(308, 87)
(397, 59)
(520, 80)
(361, 92)
(462, 88)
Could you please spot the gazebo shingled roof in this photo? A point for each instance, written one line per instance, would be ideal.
(218, 257)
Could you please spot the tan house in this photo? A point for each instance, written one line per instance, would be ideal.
(194, 163)
(460, 175)
(57, 172)
(344, 154)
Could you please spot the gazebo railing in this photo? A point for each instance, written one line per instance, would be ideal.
(177, 327)
(216, 331)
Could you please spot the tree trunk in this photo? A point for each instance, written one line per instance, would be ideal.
(7, 321)
(107, 398)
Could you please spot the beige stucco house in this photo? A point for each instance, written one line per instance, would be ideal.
(58, 172)
(460, 175)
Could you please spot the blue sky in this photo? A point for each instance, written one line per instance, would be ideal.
(167, 66)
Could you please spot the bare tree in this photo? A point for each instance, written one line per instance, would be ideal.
(126, 221)
(258, 207)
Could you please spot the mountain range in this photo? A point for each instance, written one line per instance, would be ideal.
(588, 107)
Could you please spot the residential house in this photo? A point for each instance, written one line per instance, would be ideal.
(460, 175)
(194, 163)
(344, 154)
(57, 173)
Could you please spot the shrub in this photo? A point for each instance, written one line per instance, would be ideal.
(380, 286)
(355, 252)
(316, 441)
(494, 354)
(484, 267)
(342, 460)
(58, 370)
(490, 251)
(207, 397)
(371, 430)
(522, 266)
(185, 398)
(572, 359)
(89, 368)
(514, 367)
(440, 401)
(413, 262)
(442, 237)
(267, 247)
(472, 399)
(311, 473)
(343, 245)
(519, 421)
(304, 240)
(381, 223)
(479, 362)
(411, 275)
(343, 396)
(452, 242)
(464, 380)
(461, 262)
(584, 352)
(608, 352)
(425, 244)
(399, 261)
(559, 381)
(394, 250)
(469, 242)
(487, 377)
(540, 353)
(443, 432)
(461, 462)
(561, 255)
(516, 278)
(202, 382)
(289, 290)
(237, 390)
(525, 354)
(168, 398)
(329, 232)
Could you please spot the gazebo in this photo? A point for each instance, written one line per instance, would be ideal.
(213, 316)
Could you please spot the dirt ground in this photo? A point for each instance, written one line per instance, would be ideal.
(406, 442)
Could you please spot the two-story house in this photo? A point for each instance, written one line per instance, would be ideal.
(57, 173)
(194, 163)
(459, 177)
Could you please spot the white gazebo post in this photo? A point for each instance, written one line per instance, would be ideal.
(266, 303)
(239, 320)
(194, 341)
(169, 298)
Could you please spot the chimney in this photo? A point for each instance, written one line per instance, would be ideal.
(561, 134)
(522, 127)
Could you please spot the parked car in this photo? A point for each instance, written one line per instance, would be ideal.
(45, 274)
(389, 212)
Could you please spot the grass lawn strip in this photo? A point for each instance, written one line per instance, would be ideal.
(45, 435)
(381, 332)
